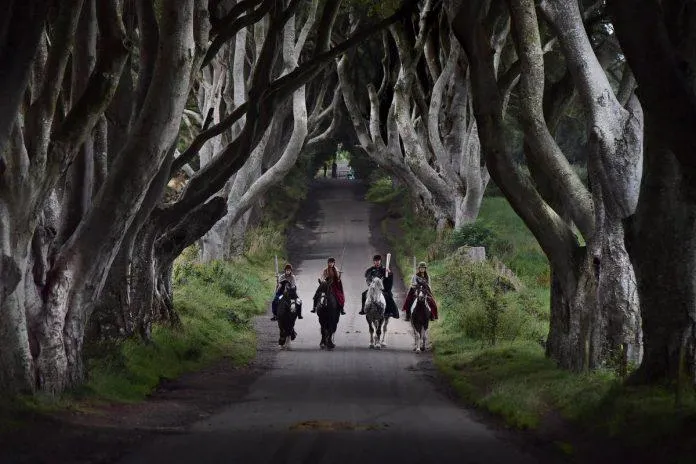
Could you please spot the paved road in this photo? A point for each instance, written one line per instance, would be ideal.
(352, 405)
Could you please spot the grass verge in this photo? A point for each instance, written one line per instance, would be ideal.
(215, 302)
(487, 339)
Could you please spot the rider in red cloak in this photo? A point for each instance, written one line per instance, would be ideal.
(420, 278)
(333, 277)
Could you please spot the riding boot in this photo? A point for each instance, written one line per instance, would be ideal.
(342, 311)
(362, 308)
(408, 314)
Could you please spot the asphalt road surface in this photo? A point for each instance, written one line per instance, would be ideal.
(350, 405)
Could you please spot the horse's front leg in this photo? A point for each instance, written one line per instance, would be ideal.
(378, 343)
(416, 340)
(384, 332)
(372, 331)
(424, 338)
(322, 343)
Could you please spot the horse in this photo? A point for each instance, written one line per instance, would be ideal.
(420, 317)
(375, 304)
(329, 313)
(287, 315)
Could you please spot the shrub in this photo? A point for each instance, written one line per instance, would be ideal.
(475, 235)
(475, 305)
(479, 234)
(383, 191)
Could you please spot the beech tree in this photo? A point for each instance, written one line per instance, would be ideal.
(49, 297)
(252, 181)
(658, 41)
(594, 304)
(431, 136)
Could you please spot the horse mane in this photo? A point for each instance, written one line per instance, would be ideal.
(375, 289)
(377, 282)
(291, 292)
(421, 298)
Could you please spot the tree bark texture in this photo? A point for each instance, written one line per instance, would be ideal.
(58, 293)
(616, 163)
(657, 39)
(662, 245)
(573, 341)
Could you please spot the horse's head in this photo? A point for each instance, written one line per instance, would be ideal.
(290, 295)
(374, 295)
(421, 294)
(377, 284)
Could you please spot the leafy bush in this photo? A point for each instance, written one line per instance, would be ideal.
(383, 191)
(479, 234)
(475, 305)
(475, 235)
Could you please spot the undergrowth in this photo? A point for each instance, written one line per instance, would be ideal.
(215, 303)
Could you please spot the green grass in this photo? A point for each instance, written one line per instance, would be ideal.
(487, 341)
(215, 303)
(526, 260)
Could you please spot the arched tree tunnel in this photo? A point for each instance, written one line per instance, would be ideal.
(132, 131)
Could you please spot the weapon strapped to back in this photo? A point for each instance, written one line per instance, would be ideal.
(276, 269)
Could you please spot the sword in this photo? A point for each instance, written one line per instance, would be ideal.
(276, 267)
(343, 252)
(386, 273)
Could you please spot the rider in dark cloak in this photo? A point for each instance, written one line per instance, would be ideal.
(332, 277)
(377, 270)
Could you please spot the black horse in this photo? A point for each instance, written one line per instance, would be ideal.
(420, 318)
(329, 313)
(287, 315)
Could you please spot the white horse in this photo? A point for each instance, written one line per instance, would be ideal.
(375, 304)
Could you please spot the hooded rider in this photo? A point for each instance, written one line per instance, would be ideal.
(377, 270)
(285, 281)
(332, 276)
(420, 278)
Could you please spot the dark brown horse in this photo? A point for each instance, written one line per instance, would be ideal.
(329, 314)
(287, 315)
(420, 317)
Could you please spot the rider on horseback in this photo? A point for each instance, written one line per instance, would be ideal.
(332, 277)
(388, 280)
(285, 281)
(419, 279)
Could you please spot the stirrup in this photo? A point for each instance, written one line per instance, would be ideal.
(314, 310)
